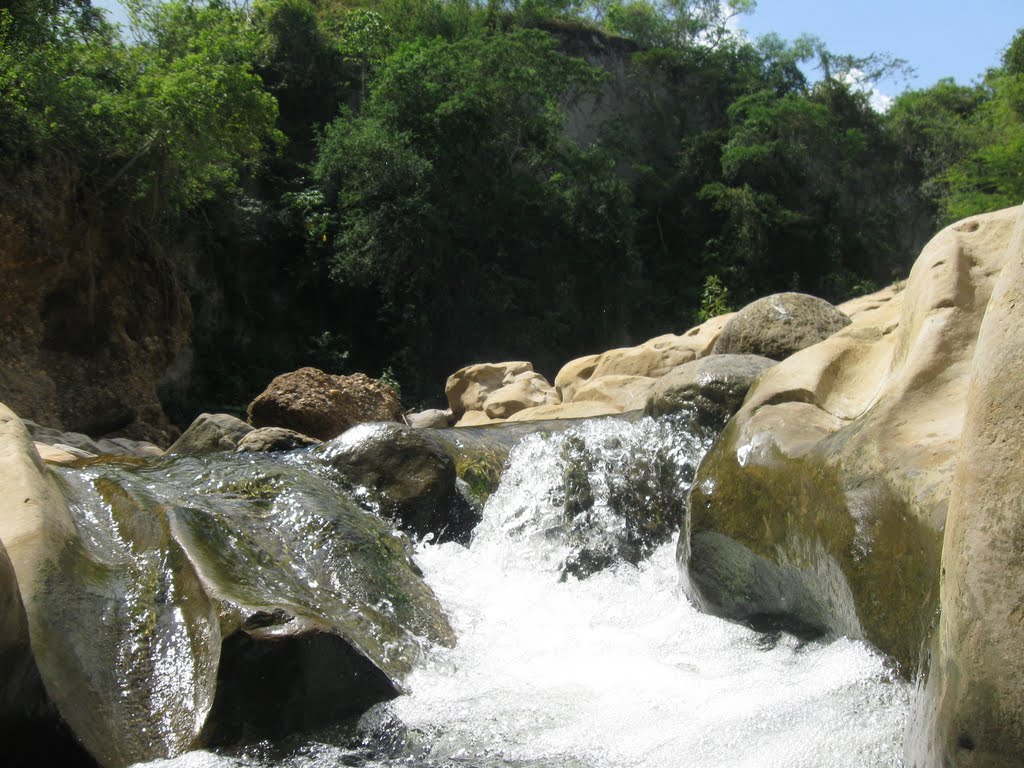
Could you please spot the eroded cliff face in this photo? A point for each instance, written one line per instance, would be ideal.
(91, 314)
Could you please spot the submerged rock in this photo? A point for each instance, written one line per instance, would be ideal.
(403, 474)
(323, 405)
(211, 432)
(779, 325)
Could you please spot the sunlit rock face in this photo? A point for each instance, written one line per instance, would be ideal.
(822, 507)
(970, 710)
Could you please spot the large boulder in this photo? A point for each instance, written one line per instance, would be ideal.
(211, 432)
(832, 482)
(779, 325)
(87, 638)
(971, 712)
(708, 391)
(323, 405)
(406, 475)
(469, 387)
(174, 608)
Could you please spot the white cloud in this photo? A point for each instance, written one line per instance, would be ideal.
(855, 78)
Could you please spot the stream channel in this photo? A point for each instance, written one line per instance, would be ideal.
(612, 670)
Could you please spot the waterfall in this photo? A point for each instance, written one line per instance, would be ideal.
(604, 665)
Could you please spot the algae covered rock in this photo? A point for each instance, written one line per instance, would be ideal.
(779, 325)
(403, 474)
(709, 391)
(822, 506)
(129, 670)
(178, 602)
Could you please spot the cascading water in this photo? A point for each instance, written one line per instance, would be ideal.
(613, 669)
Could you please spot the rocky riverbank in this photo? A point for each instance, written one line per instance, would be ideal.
(864, 480)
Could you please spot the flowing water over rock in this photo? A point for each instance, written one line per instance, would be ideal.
(613, 669)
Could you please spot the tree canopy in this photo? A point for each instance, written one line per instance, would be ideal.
(440, 181)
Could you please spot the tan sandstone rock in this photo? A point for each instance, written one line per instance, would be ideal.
(476, 419)
(652, 359)
(580, 410)
(831, 484)
(526, 390)
(627, 393)
(972, 711)
(469, 387)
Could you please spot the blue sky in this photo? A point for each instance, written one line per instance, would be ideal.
(940, 38)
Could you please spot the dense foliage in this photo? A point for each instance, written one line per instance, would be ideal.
(419, 184)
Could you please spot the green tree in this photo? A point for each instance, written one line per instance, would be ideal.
(456, 196)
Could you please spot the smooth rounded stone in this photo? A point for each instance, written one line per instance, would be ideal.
(22, 697)
(626, 393)
(526, 390)
(323, 405)
(78, 453)
(582, 410)
(83, 444)
(709, 390)
(469, 387)
(573, 375)
(320, 607)
(837, 470)
(870, 302)
(971, 711)
(54, 455)
(209, 433)
(405, 475)
(267, 439)
(477, 419)
(432, 418)
(779, 325)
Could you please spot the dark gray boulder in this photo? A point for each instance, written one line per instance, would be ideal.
(403, 474)
(709, 390)
(779, 325)
(211, 432)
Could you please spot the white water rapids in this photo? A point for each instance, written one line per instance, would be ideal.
(616, 670)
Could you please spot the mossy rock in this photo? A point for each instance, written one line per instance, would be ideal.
(185, 559)
(807, 545)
